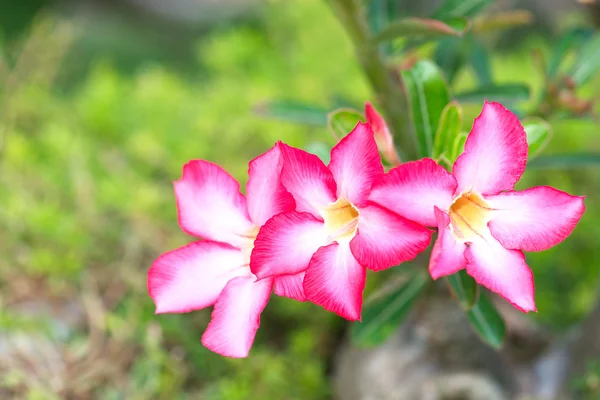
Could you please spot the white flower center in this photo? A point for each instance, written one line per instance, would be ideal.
(248, 244)
(341, 220)
(469, 215)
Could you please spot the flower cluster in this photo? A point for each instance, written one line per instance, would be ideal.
(309, 231)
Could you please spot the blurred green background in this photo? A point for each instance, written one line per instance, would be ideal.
(101, 104)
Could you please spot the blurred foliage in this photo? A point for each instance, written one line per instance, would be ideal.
(86, 204)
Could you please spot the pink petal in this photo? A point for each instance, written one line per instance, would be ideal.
(335, 281)
(210, 205)
(265, 194)
(495, 152)
(534, 219)
(447, 256)
(383, 138)
(355, 164)
(286, 243)
(191, 277)
(308, 180)
(236, 316)
(290, 286)
(413, 189)
(502, 271)
(385, 239)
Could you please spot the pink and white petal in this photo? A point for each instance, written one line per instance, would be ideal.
(210, 205)
(265, 193)
(335, 281)
(286, 243)
(495, 152)
(448, 254)
(308, 180)
(385, 239)
(503, 271)
(236, 316)
(290, 286)
(383, 137)
(355, 164)
(191, 277)
(534, 219)
(413, 189)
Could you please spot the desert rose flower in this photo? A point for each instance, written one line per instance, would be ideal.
(483, 224)
(216, 271)
(335, 231)
(383, 137)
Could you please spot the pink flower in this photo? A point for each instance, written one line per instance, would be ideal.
(335, 231)
(383, 137)
(216, 271)
(483, 224)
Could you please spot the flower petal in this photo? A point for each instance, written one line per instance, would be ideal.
(355, 164)
(495, 152)
(265, 194)
(191, 277)
(383, 137)
(385, 239)
(210, 205)
(335, 281)
(448, 255)
(286, 243)
(534, 219)
(413, 189)
(503, 271)
(290, 286)
(308, 180)
(236, 316)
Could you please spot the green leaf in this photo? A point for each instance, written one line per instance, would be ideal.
(449, 55)
(319, 149)
(460, 8)
(382, 316)
(448, 129)
(464, 288)
(565, 161)
(502, 92)
(293, 111)
(428, 94)
(423, 27)
(343, 120)
(481, 63)
(502, 20)
(539, 133)
(568, 39)
(457, 147)
(487, 321)
(588, 61)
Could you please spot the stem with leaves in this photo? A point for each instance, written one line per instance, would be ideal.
(385, 83)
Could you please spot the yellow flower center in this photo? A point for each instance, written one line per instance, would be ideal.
(248, 244)
(341, 220)
(469, 215)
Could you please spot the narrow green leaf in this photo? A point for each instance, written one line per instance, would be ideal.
(481, 63)
(539, 133)
(381, 317)
(487, 321)
(422, 27)
(460, 8)
(448, 129)
(567, 41)
(464, 288)
(428, 94)
(457, 147)
(343, 120)
(565, 161)
(502, 20)
(450, 56)
(319, 149)
(293, 111)
(501, 92)
(588, 61)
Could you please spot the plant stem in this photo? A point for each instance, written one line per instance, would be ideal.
(385, 84)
